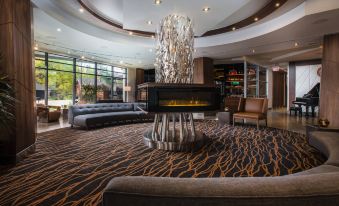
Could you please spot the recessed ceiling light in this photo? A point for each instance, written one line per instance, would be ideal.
(152, 37)
(149, 22)
(121, 62)
(157, 2)
(130, 33)
(36, 47)
(82, 57)
(256, 19)
(277, 4)
(296, 44)
(81, 10)
(58, 29)
(233, 28)
(206, 9)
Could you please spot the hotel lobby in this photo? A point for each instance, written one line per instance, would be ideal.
(169, 102)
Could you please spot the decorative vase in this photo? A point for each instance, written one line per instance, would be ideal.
(323, 122)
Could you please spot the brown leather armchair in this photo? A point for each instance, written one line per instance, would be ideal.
(48, 114)
(252, 108)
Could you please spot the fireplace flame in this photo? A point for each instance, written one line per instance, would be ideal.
(183, 103)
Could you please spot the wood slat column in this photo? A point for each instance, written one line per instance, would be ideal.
(203, 71)
(139, 79)
(17, 62)
(329, 84)
(291, 83)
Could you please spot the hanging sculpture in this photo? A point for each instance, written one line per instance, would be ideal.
(174, 65)
(174, 53)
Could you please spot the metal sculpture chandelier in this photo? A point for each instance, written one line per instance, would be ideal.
(174, 66)
(174, 52)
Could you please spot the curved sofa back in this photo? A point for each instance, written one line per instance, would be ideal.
(317, 186)
(328, 144)
(316, 189)
(82, 109)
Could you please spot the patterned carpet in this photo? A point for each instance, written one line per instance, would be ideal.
(71, 167)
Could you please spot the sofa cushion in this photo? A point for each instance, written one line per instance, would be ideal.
(315, 189)
(101, 108)
(328, 144)
(89, 119)
(139, 105)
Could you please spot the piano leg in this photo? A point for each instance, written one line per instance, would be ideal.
(313, 114)
(307, 115)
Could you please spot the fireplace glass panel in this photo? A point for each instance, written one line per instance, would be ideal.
(185, 99)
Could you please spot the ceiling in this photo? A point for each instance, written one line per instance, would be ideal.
(134, 15)
(137, 13)
(72, 42)
(280, 45)
(271, 38)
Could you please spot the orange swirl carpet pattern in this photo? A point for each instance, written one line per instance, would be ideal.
(72, 167)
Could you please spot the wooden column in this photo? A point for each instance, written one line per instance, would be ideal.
(291, 82)
(329, 84)
(140, 75)
(17, 62)
(139, 79)
(279, 89)
(203, 71)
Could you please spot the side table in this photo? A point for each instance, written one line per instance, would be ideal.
(64, 113)
(224, 118)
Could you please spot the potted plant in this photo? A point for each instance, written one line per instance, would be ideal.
(89, 93)
(7, 111)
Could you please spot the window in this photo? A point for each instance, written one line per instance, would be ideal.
(85, 82)
(60, 78)
(119, 81)
(63, 80)
(40, 77)
(104, 82)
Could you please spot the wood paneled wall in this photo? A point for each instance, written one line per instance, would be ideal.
(139, 79)
(17, 62)
(291, 82)
(279, 89)
(203, 71)
(140, 76)
(329, 83)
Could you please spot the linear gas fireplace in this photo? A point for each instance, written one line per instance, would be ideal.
(173, 98)
(162, 98)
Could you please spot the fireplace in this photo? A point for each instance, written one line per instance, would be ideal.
(171, 98)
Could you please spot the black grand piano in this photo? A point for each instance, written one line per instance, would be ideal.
(311, 99)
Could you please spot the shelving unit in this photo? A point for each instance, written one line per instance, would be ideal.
(234, 78)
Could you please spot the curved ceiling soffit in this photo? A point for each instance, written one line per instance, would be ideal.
(254, 31)
(56, 11)
(114, 24)
(208, 41)
(268, 9)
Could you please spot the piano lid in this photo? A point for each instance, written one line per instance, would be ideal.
(314, 92)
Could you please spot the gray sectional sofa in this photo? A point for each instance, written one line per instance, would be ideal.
(91, 115)
(317, 186)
